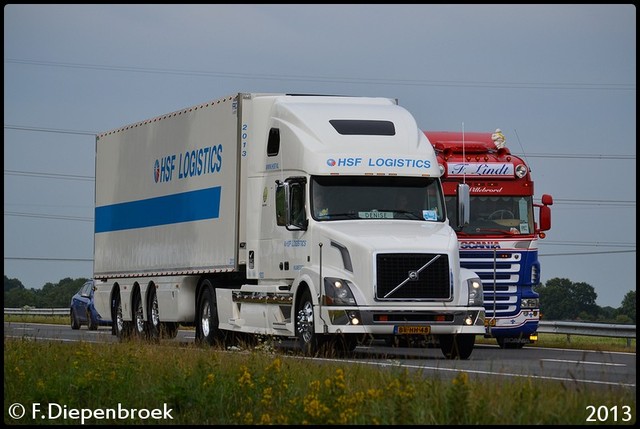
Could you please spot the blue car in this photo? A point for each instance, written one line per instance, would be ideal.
(83, 312)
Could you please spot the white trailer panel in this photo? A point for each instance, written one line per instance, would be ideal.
(166, 194)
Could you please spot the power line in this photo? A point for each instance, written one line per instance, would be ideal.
(337, 79)
(570, 201)
(49, 130)
(13, 258)
(85, 219)
(48, 175)
(576, 156)
(535, 155)
(587, 243)
(48, 216)
(550, 243)
(587, 253)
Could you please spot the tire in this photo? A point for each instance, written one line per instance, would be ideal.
(75, 325)
(139, 326)
(207, 330)
(310, 342)
(457, 346)
(154, 327)
(120, 328)
(92, 324)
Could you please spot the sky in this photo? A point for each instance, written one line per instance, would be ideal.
(559, 80)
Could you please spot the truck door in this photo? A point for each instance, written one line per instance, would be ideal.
(292, 221)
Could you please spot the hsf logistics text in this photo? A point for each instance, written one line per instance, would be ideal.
(379, 162)
(192, 163)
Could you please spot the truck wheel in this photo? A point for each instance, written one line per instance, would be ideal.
(207, 329)
(457, 346)
(75, 325)
(138, 315)
(153, 326)
(310, 342)
(121, 329)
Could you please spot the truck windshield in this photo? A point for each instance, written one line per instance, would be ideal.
(496, 215)
(350, 197)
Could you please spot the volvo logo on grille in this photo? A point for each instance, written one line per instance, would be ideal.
(413, 275)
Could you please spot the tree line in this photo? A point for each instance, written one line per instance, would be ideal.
(560, 299)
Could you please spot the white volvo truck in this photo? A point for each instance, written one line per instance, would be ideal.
(309, 217)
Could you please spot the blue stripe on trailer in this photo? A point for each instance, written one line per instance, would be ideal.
(184, 207)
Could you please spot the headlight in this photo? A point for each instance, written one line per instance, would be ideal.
(337, 292)
(521, 171)
(531, 303)
(475, 292)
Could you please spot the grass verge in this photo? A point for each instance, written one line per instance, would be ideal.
(139, 383)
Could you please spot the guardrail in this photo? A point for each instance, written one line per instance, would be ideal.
(547, 327)
(32, 311)
(589, 329)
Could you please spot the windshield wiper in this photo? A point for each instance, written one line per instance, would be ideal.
(335, 216)
(483, 230)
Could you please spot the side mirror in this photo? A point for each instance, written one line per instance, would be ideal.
(545, 212)
(464, 202)
(545, 218)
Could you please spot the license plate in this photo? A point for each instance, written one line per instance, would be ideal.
(412, 330)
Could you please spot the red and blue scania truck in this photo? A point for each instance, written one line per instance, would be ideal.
(500, 242)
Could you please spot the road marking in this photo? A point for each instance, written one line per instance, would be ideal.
(584, 362)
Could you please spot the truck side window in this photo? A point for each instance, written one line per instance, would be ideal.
(273, 143)
(281, 213)
(298, 214)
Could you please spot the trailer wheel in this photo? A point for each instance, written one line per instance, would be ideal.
(207, 329)
(138, 315)
(153, 326)
(457, 346)
(310, 342)
(121, 329)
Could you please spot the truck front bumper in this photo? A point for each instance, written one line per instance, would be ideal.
(391, 321)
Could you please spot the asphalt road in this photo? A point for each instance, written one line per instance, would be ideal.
(579, 368)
